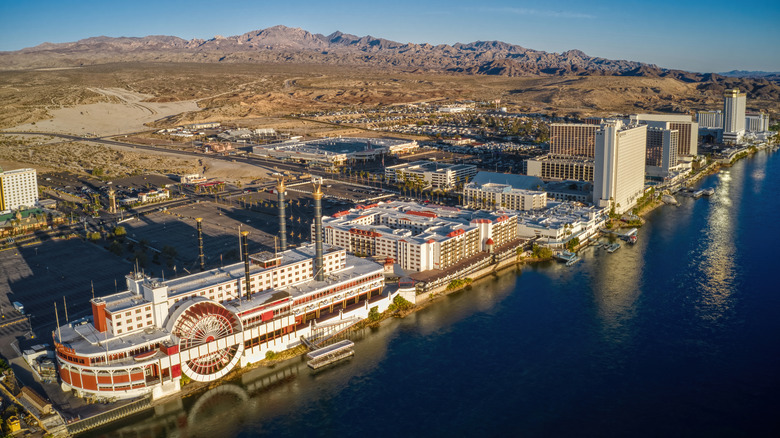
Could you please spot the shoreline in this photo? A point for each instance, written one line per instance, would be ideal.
(431, 299)
(194, 389)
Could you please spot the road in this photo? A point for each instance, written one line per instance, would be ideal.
(232, 158)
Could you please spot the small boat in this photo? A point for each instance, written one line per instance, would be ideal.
(614, 247)
(708, 192)
(669, 199)
(565, 256)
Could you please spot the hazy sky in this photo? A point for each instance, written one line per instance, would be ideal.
(704, 36)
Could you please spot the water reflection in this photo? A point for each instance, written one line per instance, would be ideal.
(617, 285)
(243, 403)
(717, 249)
(481, 296)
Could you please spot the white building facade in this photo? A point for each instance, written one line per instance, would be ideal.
(619, 174)
(493, 196)
(733, 115)
(756, 122)
(18, 189)
(710, 119)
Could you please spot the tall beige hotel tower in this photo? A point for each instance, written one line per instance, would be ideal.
(733, 115)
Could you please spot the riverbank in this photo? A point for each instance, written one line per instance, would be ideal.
(196, 389)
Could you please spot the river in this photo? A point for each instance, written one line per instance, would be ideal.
(678, 335)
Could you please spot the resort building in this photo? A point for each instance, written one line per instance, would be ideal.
(418, 238)
(733, 115)
(710, 119)
(204, 325)
(489, 190)
(572, 148)
(688, 130)
(431, 174)
(756, 122)
(661, 153)
(561, 222)
(18, 189)
(573, 139)
(144, 340)
(619, 175)
(561, 168)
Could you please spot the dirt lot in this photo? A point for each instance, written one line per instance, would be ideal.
(170, 94)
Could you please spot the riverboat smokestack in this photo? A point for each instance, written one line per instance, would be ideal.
(280, 192)
(245, 242)
(319, 273)
(200, 244)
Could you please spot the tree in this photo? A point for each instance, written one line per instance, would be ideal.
(115, 248)
(573, 243)
(373, 314)
(120, 231)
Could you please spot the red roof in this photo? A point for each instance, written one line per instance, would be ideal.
(364, 232)
(422, 213)
(456, 233)
(490, 241)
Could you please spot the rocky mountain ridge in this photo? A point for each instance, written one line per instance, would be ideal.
(280, 44)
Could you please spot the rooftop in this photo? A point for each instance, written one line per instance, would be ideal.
(520, 182)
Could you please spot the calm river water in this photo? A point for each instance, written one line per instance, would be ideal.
(678, 335)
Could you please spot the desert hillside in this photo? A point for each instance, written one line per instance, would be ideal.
(165, 94)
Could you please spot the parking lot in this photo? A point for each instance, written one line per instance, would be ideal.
(40, 275)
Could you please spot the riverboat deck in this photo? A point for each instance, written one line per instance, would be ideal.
(330, 354)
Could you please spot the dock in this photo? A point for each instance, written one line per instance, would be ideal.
(332, 353)
(566, 256)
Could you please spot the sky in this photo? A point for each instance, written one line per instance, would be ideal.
(701, 36)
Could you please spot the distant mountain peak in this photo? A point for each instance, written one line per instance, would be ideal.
(292, 44)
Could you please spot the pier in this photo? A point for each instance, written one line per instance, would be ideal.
(332, 353)
(110, 416)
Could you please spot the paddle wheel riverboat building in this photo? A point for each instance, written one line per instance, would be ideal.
(204, 325)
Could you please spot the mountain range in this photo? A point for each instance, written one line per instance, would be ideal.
(280, 44)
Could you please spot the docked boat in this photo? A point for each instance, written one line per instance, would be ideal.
(708, 192)
(614, 247)
(698, 194)
(670, 200)
(566, 256)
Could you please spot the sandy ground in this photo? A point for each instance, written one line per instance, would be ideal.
(127, 115)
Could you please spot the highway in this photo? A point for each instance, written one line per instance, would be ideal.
(276, 165)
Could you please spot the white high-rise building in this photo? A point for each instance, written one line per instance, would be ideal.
(688, 129)
(18, 188)
(662, 145)
(619, 174)
(733, 115)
